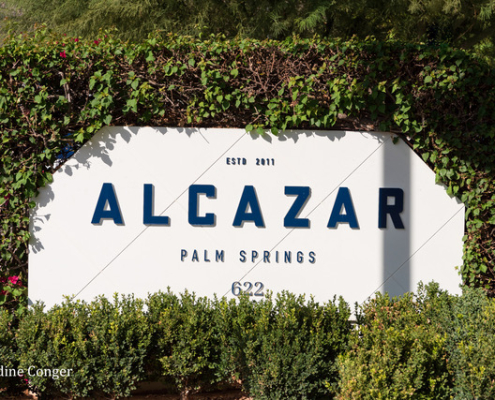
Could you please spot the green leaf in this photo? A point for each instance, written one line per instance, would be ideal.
(132, 104)
(107, 120)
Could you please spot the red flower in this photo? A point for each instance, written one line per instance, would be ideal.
(76, 40)
(62, 54)
(97, 41)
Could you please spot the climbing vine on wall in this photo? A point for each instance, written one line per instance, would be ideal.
(57, 91)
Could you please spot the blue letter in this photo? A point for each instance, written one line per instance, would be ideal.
(302, 193)
(148, 217)
(219, 255)
(249, 198)
(107, 194)
(194, 218)
(343, 200)
(394, 210)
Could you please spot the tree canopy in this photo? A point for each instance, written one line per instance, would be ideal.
(460, 23)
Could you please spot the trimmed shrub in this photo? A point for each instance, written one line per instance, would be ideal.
(57, 340)
(470, 328)
(186, 341)
(120, 338)
(287, 348)
(426, 346)
(8, 360)
(103, 345)
(397, 353)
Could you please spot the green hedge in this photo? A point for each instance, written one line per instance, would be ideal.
(103, 344)
(426, 346)
(399, 353)
(57, 91)
(280, 348)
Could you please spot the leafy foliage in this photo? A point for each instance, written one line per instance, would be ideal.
(10, 383)
(103, 344)
(397, 353)
(56, 92)
(469, 324)
(186, 340)
(287, 347)
(466, 24)
(182, 340)
(432, 346)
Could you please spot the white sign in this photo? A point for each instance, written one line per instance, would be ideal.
(220, 211)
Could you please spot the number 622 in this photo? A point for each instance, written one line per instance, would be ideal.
(247, 288)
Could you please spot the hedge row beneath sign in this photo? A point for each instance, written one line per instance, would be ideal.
(426, 346)
(57, 91)
(279, 348)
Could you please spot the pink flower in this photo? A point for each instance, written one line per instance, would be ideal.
(97, 41)
(62, 54)
(13, 279)
(76, 40)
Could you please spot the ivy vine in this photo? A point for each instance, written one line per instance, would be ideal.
(57, 91)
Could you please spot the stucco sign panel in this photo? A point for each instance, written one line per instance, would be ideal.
(221, 211)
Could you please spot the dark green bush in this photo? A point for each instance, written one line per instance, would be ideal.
(470, 328)
(104, 345)
(120, 338)
(9, 381)
(57, 339)
(426, 346)
(397, 353)
(187, 342)
(287, 348)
